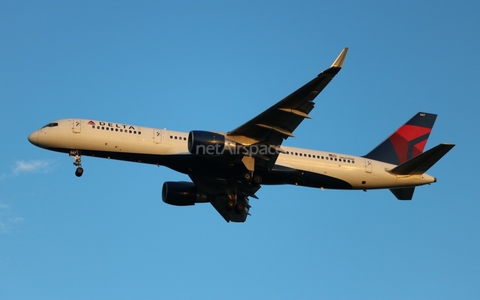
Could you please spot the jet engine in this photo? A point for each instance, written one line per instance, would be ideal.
(182, 193)
(206, 143)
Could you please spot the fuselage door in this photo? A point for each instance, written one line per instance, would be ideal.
(77, 126)
(157, 136)
(368, 166)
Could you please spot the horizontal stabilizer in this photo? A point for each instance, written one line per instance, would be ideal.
(421, 163)
(403, 193)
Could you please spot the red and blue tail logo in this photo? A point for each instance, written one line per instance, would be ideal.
(407, 142)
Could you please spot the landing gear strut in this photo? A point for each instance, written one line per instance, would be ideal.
(77, 162)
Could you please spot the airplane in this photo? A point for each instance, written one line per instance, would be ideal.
(226, 168)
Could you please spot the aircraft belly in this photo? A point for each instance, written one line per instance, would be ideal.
(288, 175)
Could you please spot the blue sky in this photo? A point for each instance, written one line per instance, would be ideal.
(213, 65)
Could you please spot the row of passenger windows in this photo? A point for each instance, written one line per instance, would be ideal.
(184, 138)
(174, 137)
(333, 158)
(117, 129)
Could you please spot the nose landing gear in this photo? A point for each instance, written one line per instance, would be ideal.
(77, 162)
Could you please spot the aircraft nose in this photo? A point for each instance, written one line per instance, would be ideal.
(33, 138)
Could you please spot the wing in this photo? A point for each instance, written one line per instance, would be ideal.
(270, 128)
(278, 122)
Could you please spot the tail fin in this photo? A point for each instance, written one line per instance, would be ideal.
(407, 142)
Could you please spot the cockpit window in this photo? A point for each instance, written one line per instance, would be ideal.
(50, 125)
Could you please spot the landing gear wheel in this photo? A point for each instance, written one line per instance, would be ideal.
(247, 176)
(79, 172)
(240, 207)
(230, 204)
(257, 179)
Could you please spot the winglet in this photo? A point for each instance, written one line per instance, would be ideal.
(338, 63)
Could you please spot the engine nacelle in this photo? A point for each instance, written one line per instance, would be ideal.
(182, 193)
(206, 143)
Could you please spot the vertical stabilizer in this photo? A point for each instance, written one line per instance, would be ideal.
(407, 142)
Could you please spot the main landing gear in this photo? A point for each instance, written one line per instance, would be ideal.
(237, 200)
(236, 196)
(250, 177)
(77, 162)
(239, 206)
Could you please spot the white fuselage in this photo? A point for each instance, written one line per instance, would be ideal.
(150, 145)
